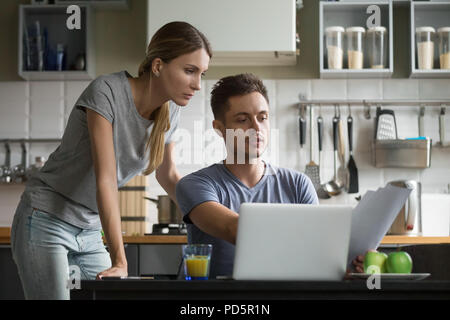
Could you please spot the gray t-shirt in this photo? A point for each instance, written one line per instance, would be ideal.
(66, 185)
(216, 183)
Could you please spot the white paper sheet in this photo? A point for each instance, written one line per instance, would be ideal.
(372, 218)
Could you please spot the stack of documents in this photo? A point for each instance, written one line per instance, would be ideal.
(372, 218)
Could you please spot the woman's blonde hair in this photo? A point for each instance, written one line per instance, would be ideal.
(169, 42)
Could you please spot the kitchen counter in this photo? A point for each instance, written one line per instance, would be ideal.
(259, 290)
(5, 234)
(5, 238)
(414, 240)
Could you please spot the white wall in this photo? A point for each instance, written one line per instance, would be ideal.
(40, 110)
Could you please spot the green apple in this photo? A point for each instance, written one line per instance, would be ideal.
(375, 262)
(399, 262)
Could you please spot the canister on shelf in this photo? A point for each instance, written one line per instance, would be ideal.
(335, 50)
(355, 50)
(425, 47)
(377, 47)
(444, 47)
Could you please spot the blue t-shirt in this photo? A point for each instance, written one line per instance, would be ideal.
(216, 183)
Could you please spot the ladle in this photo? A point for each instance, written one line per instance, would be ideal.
(334, 186)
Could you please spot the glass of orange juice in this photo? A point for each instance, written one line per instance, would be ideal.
(197, 259)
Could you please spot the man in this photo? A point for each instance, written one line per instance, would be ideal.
(211, 197)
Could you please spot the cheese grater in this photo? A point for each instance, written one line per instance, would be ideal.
(386, 126)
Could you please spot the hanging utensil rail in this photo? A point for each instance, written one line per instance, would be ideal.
(365, 102)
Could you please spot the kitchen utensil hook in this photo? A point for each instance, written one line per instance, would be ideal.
(8, 155)
(24, 154)
(421, 116)
(367, 111)
(337, 111)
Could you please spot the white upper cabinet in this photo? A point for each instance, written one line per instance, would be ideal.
(241, 33)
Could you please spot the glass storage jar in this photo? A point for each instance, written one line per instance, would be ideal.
(425, 47)
(335, 51)
(355, 51)
(444, 47)
(377, 47)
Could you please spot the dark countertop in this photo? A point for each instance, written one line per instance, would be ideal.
(259, 290)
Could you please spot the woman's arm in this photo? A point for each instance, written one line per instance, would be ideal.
(167, 174)
(102, 150)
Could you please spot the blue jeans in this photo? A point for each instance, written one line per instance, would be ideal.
(45, 247)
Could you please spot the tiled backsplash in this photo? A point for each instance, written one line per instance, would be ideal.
(41, 109)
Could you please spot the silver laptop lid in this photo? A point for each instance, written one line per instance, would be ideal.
(292, 242)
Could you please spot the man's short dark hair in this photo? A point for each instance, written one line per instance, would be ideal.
(232, 86)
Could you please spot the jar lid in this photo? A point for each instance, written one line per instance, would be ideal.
(334, 29)
(425, 29)
(355, 29)
(377, 29)
(444, 29)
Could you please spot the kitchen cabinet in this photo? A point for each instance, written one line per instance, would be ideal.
(429, 14)
(242, 33)
(10, 286)
(350, 14)
(38, 59)
(160, 260)
(132, 254)
(143, 259)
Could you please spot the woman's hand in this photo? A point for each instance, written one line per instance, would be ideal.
(114, 271)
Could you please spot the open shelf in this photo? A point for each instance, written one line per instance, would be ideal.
(436, 15)
(348, 14)
(52, 20)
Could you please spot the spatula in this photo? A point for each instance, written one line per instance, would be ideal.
(353, 185)
(312, 168)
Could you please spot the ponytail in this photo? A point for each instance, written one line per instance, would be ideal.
(156, 142)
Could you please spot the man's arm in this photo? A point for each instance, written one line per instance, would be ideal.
(216, 220)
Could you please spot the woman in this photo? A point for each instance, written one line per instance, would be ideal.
(119, 126)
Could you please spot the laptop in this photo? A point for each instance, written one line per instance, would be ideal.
(292, 242)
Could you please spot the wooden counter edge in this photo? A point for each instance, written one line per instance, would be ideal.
(5, 234)
(162, 239)
(414, 240)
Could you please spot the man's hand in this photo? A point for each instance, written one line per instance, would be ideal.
(114, 271)
(358, 264)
